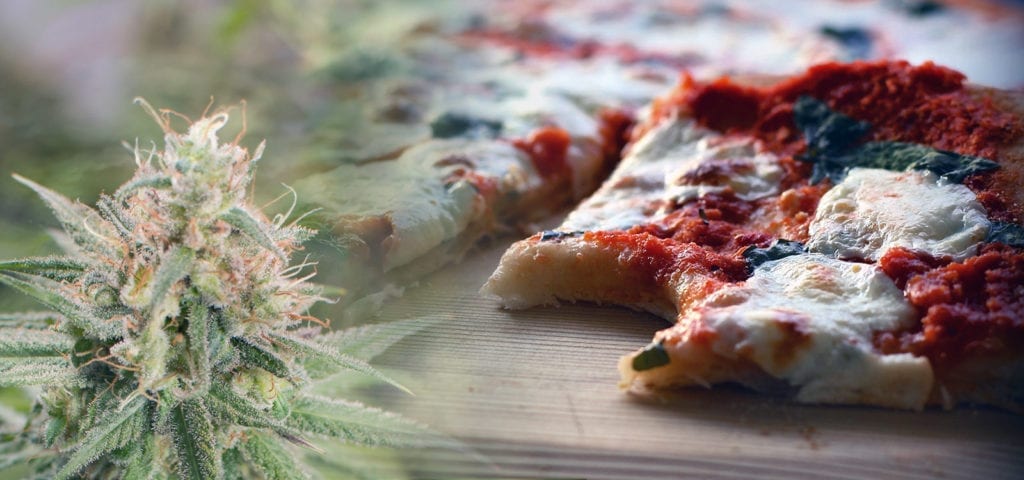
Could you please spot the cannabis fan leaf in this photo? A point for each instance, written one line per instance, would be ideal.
(179, 344)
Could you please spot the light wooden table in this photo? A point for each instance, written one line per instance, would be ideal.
(536, 392)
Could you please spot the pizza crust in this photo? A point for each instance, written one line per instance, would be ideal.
(805, 321)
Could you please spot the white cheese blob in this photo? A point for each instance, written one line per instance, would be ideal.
(648, 183)
(759, 178)
(809, 319)
(873, 210)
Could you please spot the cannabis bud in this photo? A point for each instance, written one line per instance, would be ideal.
(179, 342)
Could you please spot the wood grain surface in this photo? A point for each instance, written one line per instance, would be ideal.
(535, 392)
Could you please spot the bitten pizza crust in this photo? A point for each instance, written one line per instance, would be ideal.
(851, 235)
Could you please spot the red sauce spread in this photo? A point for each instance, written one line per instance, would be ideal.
(902, 264)
(712, 221)
(796, 208)
(971, 309)
(926, 104)
(547, 148)
(659, 258)
(997, 202)
(614, 126)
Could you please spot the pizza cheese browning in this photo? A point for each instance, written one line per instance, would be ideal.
(850, 235)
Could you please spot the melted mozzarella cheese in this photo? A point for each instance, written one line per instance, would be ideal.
(649, 178)
(874, 210)
(759, 181)
(809, 319)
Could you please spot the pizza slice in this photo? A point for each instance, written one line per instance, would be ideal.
(850, 235)
(461, 122)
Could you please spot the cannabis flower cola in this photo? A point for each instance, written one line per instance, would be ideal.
(179, 342)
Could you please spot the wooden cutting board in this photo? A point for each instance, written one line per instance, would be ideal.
(535, 391)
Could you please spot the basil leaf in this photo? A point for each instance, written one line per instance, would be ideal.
(779, 249)
(856, 41)
(908, 156)
(918, 8)
(827, 131)
(450, 125)
(548, 235)
(653, 355)
(831, 147)
(1005, 232)
(829, 134)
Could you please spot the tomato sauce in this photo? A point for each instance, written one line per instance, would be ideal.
(973, 308)
(713, 221)
(926, 104)
(547, 147)
(614, 126)
(659, 258)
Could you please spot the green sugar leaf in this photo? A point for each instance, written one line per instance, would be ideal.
(367, 341)
(155, 181)
(271, 458)
(230, 407)
(244, 222)
(55, 427)
(236, 467)
(198, 334)
(34, 320)
(174, 267)
(37, 371)
(116, 429)
(117, 217)
(24, 342)
(83, 224)
(253, 355)
(652, 356)
(195, 441)
(142, 464)
(48, 293)
(314, 350)
(60, 269)
(358, 423)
